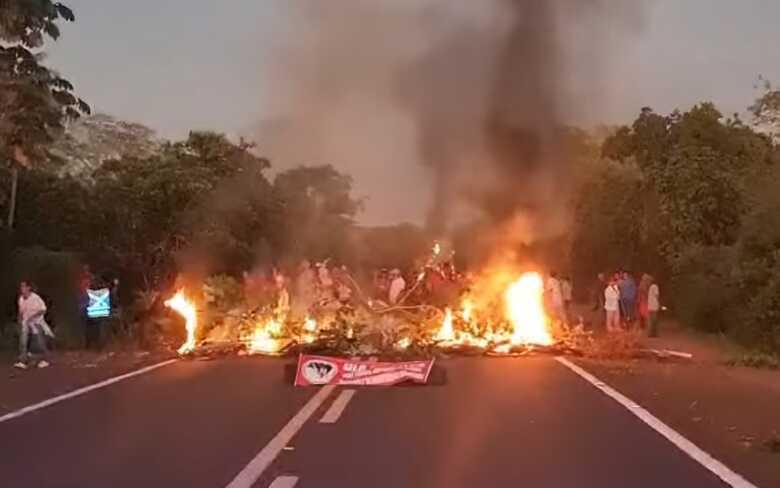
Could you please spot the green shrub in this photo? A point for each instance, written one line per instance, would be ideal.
(702, 292)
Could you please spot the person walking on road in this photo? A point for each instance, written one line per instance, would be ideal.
(653, 307)
(32, 325)
(612, 305)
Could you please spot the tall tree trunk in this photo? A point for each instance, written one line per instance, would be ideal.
(12, 201)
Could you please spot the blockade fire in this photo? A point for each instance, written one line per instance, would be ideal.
(503, 309)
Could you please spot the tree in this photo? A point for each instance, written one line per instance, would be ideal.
(35, 102)
(319, 211)
(147, 211)
(694, 165)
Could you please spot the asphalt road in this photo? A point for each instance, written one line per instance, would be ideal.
(494, 423)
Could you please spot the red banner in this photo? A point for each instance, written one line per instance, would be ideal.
(324, 370)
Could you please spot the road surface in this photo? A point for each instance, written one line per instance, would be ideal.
(493, 423)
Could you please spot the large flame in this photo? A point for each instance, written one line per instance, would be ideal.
(521, 322)
(525, 310)
(186, 309)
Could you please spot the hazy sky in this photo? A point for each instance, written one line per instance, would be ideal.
(177, 65)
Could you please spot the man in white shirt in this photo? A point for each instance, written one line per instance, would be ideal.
(653, 306)
(31, 321)
(612, 305)
(554, 295)
(397, 286)
(568, 296)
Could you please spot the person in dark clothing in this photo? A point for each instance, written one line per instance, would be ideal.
(598, 290)
(628, 292)
(91, 326)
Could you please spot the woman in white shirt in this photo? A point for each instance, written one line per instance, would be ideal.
(612, 305)
(31, 312)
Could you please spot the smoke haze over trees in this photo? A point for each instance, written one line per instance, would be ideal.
(473, 93)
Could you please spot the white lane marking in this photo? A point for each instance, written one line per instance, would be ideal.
(719, 469)
(81, 391)
(284, 482)
(252, 472)
(337, 408)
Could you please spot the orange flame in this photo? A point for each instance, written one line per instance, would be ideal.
(186, 309)
(310, 325)
(310, 329)
(263, 338)
(466, 310)
(525, 310)
(447, 332)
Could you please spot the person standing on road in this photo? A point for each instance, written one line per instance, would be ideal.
(627, 287)
(397, 286)
(567, 292)
(612, 305)
(32, 324)
(642, 293)
(554, 297)
(653, 307)
(598, 293)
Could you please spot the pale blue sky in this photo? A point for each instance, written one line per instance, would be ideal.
(177, 65)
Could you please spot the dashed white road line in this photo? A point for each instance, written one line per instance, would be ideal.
(252, 472)
(284, 482)
(719, 469)
(337, 408)
(81, 391)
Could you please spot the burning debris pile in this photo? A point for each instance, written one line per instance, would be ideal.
(498, 312)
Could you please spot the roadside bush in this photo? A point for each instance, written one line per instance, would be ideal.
(703, 294)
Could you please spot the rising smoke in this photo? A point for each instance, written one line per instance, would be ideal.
(441, 109)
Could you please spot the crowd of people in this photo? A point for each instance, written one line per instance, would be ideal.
(627, 304)
(322, 285)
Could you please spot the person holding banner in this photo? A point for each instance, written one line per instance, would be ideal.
(32, 324)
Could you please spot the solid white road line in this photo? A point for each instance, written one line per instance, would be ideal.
(337, 408)
(81, 391)
(251, 473)
(284, 482)
(721, 471)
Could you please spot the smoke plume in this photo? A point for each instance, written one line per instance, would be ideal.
(444, 110)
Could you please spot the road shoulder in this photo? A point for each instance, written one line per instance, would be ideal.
(69, 371)
(729, 412)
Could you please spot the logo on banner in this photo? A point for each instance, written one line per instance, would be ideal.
(99, 303)
(319, 371)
